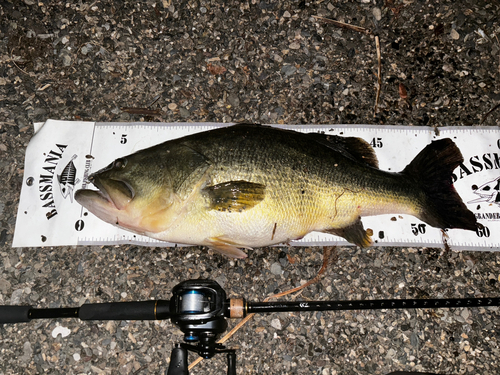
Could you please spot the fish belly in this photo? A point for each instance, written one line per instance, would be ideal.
(262, 225)
(282, 216)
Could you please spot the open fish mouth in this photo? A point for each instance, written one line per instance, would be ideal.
(101, 193)
(99, 203)
(117, 192)
(111, 197)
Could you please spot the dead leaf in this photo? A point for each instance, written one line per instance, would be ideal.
(216, 69)
(402, 92)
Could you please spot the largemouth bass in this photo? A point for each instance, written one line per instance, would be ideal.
(249, 185)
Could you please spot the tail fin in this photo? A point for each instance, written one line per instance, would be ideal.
(432, 169)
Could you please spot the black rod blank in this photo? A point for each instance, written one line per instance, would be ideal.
(270, 307)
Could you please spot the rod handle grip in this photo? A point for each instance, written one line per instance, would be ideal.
(14, 314)
(142, 310)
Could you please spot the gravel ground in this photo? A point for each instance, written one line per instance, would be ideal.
(261, 61)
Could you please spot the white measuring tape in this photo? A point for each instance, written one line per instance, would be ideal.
(62, 154)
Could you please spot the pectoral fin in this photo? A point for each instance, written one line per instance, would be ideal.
(227, 247)
(235, 195)
(354, 233)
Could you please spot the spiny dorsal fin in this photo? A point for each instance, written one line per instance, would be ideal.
(352, 147)
(235, 196)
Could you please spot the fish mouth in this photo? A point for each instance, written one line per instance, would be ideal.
(118, 192)
(112, 194)
(112, 203)
(98, 203)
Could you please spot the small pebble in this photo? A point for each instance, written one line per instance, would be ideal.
(184, 112)
(276, 269)
(288, 70)
(233, 100)
(66, 59)
(447, 68)
(276, 323)
(60, 330)
(15, 299)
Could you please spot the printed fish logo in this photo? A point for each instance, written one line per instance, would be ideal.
(67, 179)
(488, 192)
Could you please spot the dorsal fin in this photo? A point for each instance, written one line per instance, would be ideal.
(352, 147)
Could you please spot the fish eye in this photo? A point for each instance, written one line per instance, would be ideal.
(120, 163)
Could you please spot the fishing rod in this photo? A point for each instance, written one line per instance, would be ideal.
(199, 308)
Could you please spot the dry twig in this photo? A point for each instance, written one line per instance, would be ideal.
(17, 66)
(379, 74)
(488, 113)
(498, 105)
(344, 25)
(142, 111)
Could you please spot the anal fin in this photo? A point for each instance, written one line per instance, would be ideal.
(227, 247)
(354, 233)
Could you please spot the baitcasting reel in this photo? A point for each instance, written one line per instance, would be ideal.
(199, 309)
